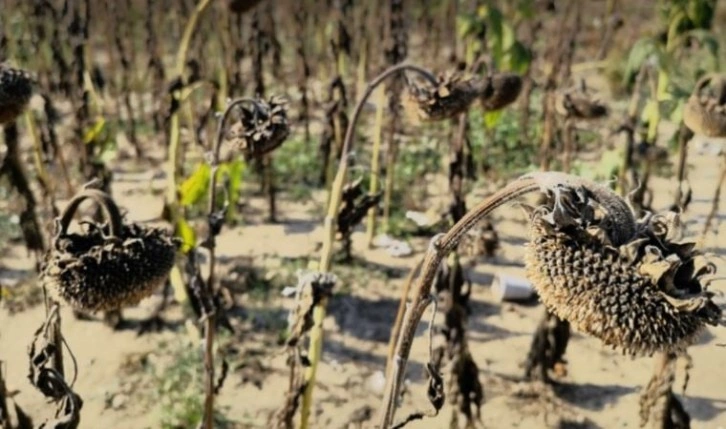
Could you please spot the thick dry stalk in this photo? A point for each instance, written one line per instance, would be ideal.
(684, 136)
(375, 168)
(396, 330)
(173, 162)
(628, 127)
(558, 74)
(211, 319)
(316, 333)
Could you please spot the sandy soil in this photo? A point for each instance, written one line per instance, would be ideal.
(600, 390)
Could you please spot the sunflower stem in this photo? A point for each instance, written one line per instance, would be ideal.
(316, 333)
(211, 319)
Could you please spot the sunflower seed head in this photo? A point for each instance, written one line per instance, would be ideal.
(261, 128)
(499, 90)
(579, 105)
(642, 295)
(242, 6)
(16, 87)
(450, 97)
(92, 271)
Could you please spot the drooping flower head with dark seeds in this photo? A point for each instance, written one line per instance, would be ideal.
(705, 113)
(578, 103)
(107, 266)
(451, 96)
(262, 127)
(641, 291)
(242, 6)
(16, 87)
(499, 90)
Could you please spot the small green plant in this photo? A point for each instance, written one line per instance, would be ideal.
(300, 167)
(178, 376)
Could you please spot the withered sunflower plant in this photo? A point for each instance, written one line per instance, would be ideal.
(630, 282)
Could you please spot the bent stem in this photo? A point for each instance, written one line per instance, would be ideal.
(103, 200)
(210, 320)
(316, 333)
(441, 246)
(396, 330)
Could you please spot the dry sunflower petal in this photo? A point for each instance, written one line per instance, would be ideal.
(15, 91)
(108, 266)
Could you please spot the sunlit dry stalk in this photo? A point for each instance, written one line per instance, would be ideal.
(375, 166)
(658, 403)
(681, 201)
(336, 121)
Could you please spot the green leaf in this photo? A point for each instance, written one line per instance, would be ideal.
(609, 165)
(491, 119)
(650, 111)
(519, 57)
(187, 235)
(701, 12)
(495, 31)
(676, 115)
(639, 53)
(236, 169)
(91, 134)
(195, 187)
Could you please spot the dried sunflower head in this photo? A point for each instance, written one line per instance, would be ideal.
(641, 291)
(580, 106)
(242, 6)
(261, 128)
(450, 96)
(500, 90)
(107, 266)
(16, 87)
(706, 113)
